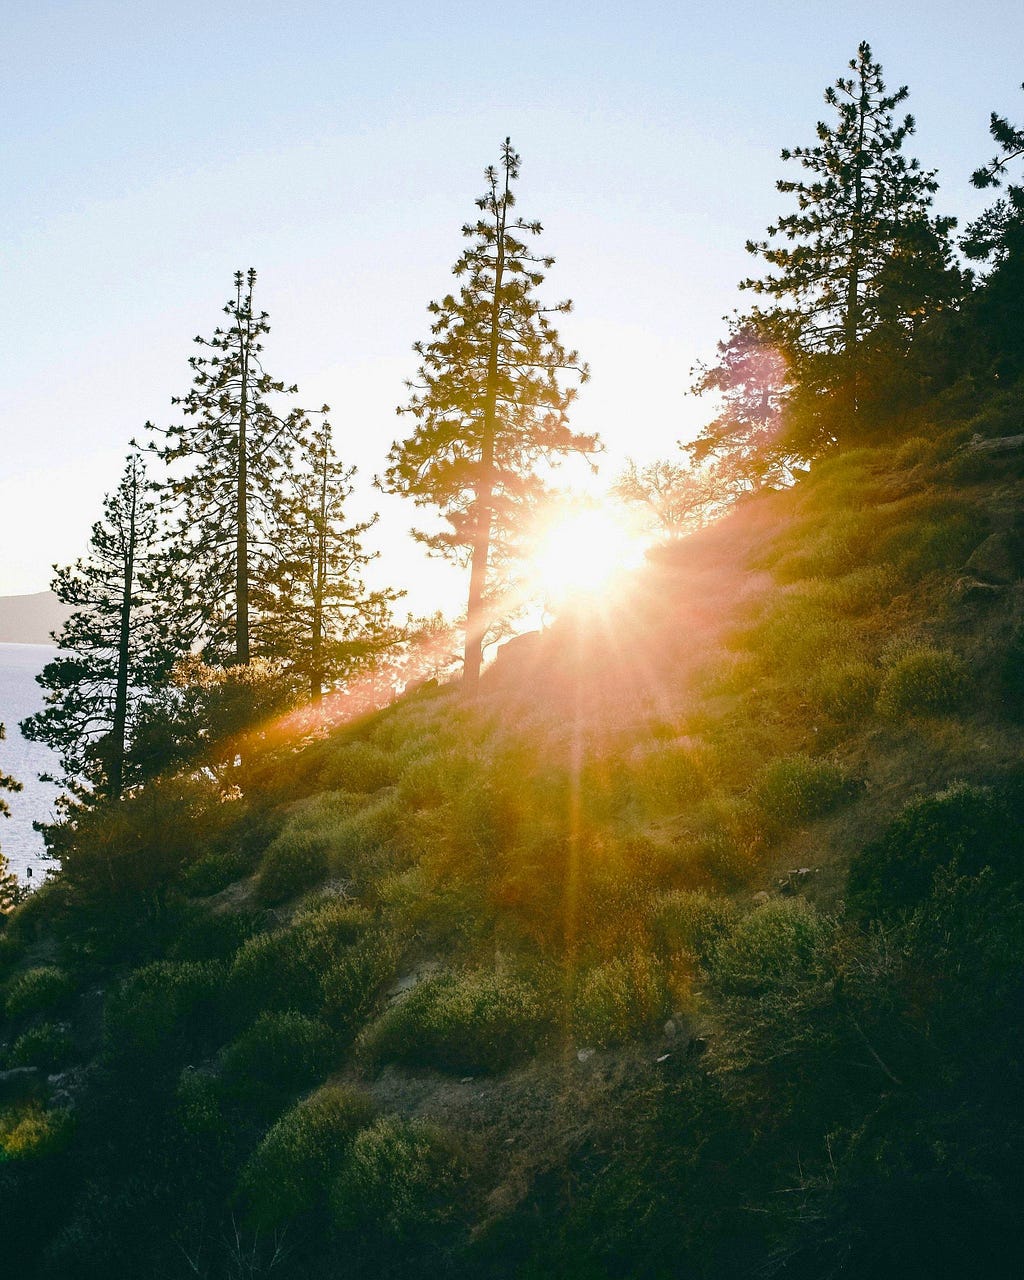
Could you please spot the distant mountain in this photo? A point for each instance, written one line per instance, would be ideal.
(30, 619)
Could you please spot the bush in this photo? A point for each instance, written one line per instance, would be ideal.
(845, 691)
(161, 1008)
(296, 861)
(691, 921)
(215, 871)
(31, 1132)
(797, 789)
(397, 1181)
(47, 1046)
(777, 943)
(667, 776)
(299, 1157)
(217, 935)
(352, 983)
(280, 1056)
(271, 971)
(282, 969)
(620, 999)
(965, 827)
(36, 989)
(923, 681)
(478, 1021)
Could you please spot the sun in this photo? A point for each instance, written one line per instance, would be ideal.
(581, 552)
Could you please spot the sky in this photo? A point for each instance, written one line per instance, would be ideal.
(150, 150)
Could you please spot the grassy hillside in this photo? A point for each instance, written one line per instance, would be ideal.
(692, 948)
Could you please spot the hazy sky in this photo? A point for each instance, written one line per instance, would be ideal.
(150, 149)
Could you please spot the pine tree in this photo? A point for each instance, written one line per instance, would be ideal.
(322, 620)
(862, 208)
(996, 311)
(118, 644)
(10, 890)
(228, 467)
(488, 403)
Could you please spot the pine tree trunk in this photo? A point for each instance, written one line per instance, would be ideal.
(316, 661)
(120, 725)
(242, 500)
(476, 621)
(852, 318)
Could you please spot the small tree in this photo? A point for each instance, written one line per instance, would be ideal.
(747, 438)
(488, 403)
(118, 644)
(10, 890)
(863, 206)
(675, 499)
(236, 456)
(322, 620)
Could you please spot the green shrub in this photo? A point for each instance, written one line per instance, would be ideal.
(692, 921)
(43, 987)
(198, 1098)
(620, 999)
(668, 775)
(778, 942)
(47, 1046)
(923, 681)
(217, 935)
(164, 1006)
(271, 971)
(797, 788)
(846, 691)
(296, 861)
(282, 969)
(215, 871)
(477, 1021)
(398, 1179)
(281, 1055)
(352, 983)
(299, 1157)
(965, 827)
(30, 1132)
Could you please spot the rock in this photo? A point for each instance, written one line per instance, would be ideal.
(584, 1055)
(997, 559)
(670, 1030)
(968, 590)
(1001, 444)
(760, 898)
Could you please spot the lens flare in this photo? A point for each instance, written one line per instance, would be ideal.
(581, 553)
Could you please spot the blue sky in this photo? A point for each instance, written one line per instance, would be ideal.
(149, 150)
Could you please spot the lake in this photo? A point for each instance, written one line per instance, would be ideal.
(20, 696)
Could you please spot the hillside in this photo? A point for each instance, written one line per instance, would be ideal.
(30, 619)
(691, 948)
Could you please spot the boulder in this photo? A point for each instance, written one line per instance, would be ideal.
(997, 559)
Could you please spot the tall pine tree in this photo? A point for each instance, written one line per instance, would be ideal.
(229, 462)
(321, 619)
(488, 403)
(861, 255)
(116, 647)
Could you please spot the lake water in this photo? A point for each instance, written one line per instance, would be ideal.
(20, 696)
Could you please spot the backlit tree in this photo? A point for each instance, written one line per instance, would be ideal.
(489, 403)
(229, 463)
(862, 207)
(118, 644)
